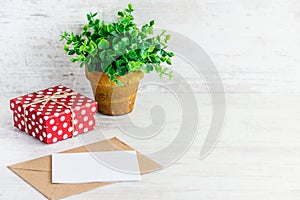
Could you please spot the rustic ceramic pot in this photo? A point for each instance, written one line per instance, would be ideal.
(114, 99)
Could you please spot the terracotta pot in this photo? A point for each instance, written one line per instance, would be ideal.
(114, 99)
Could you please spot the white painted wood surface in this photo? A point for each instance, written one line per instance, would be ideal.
(255, 46)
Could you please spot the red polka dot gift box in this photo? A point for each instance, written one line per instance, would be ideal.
(54, 114)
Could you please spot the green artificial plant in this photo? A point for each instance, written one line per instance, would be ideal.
(120, 47)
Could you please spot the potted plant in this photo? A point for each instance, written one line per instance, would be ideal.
(116, 56)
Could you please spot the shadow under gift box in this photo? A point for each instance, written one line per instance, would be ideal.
(47, 114)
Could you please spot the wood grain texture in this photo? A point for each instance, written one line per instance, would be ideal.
(255, 46)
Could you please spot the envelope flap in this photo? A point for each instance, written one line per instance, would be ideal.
(37, 179)
(39, 164)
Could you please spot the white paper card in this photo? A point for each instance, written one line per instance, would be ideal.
(110, 166)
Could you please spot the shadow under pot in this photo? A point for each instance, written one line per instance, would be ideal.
(114, 99)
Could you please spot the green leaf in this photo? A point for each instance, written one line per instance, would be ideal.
(102, 54)
(132, 55)
(66, 47)
(168, 37)
(169, 61)
(103, 44)
(152, 22)
(71, 52)
(130, 7)
(82, 65)
(170, 54)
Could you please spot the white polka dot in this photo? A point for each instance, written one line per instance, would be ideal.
(54, 140)
(58, 110)
(50, 89)
(49, 110)
(75, 121)
(52, 103)
(12, 105)
(20, 98)
(65, 125)
(30, 95)
(63, 100)
(67, 111)
(38, 113)
(19, 125)
(77, 108)
(16, 119)
(33, 116)
(41, 138)
(83, 112)
(52, 121)
(33, 134)
(79, 103)
(18, 102)
(85, 118)
(33, 123)
(82, 97)
(44, 134)
(54, 128)
(36, 130)
(41, 120)
(46, 118)
(19, 109)
(65, 136)
(40, 127)
(22, 122)
(56, 114)
(72, 100)
(89, 100)
(75, 133)
(28, 98)
(49, 93)
(91, 122)
(70, 129)
(49, 135)
(62, 118)
(80, 126)
(80, 100)
(68, 90)
(51, 106)
(93, 109)
(85, 130)
(26, 102)
(73, 97)
(31, 109)
(88, 105)
(47, 113)
(29, 126)
(33, 105)
(59, 106)
(59, 132)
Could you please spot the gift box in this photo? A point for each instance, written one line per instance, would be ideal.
(54, 114)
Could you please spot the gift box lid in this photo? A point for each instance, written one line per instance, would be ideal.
(58, 101)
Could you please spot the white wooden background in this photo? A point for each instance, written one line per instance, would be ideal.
(255, 45)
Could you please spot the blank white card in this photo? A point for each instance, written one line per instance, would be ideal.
(109, 166)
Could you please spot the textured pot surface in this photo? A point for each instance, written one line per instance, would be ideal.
(114, 99)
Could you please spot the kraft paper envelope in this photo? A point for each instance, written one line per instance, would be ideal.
(37, 172)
